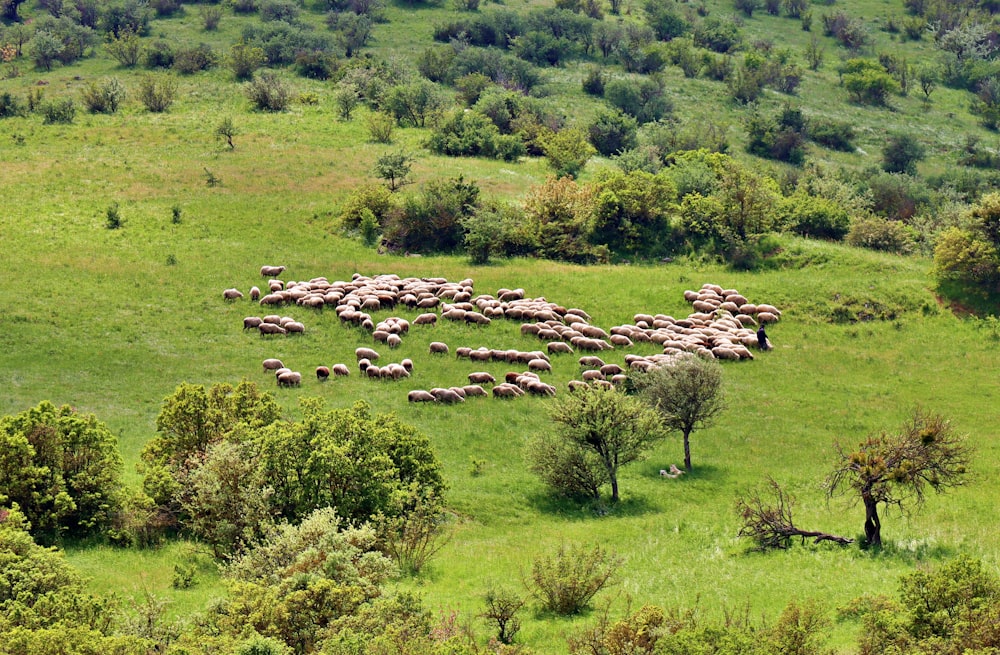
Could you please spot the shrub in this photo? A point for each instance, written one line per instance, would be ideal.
(812, 216)
(268, 93)
(394, 168)
(471, 134)
(612, 131)
(496, 229)
(58, 111)
(211, 15)
(716, 34)
(125, 48)
(868, 82)
(10, 105)
(159, 54)
(645, 101)
(243, 60)
(103, 98)
(380, 127)
(285, 11)
(877, 233)
(567, 151)
(593, 82)
(157, 93)
(901, 154)
(471, 87)
(962, 256)
(165, 8)
(373, 198)
(829, 132)
(566, 581)
(245, 6)
(411, 540)
(412, 104)
(192, 60)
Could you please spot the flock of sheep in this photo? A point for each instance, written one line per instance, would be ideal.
(722, 326)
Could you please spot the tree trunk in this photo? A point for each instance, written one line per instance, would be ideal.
(614, 488)
(687, 452)
(873, 527)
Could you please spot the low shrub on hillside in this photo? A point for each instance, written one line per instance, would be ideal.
(567, 580)
(268, 93)
(877, 233)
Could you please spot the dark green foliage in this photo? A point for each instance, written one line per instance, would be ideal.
(471, 87)
(541, 48)
(431, 221)
(849, 31)
(612, 131)
(817, 217)
(831, 133)
(780, 137)
(901, 154)
(878, 233)
(11, 105)
(285, 11)
(665, 19)
(566, 581)
(282, 42)
(413, 538)
(511, 72)
(867, 81)
(243, 60)
(268, 92)
(193, 60)
(132, 16)
(632, 212)
(211, 16)
(159, 54)
(593, 82)
(62, 469)
(896, 195)
(716, 34)
(471, 134)
(987, 103)
(126, 49)
(394, 167)
(644, 99)
(496, 229)
(559, 212)
(412, 104)
(113, 216)
(165, 8)
(351, 31)
(373, 198)
(57, 112)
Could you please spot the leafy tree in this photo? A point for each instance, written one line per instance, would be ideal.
(372, 197)
(616, 428)
(226, 129)
(687, 393)
(566, 581)
(502, 606)
(893, 468)
(412, 104)
(45, 49)
(612, 132)
(394, 168)
(244, 59)
(9, 9)
(431, 221)
(126, 48)
(868, 82)
(471, 134)
(61, 468)
(496, 228)
(559, 211)
(901, 154)
(632, 211)
(645, 100)
(351, 31)
(567, 151)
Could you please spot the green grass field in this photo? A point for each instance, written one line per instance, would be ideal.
(111, 321)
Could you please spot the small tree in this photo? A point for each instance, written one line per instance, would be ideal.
(688, 395)
(901, 154)
(125, 48)
(268, 93)
(502, 606)
(894, 468)
(346, 98)
(157, 93)
(244, 59)
(567, 151)
(616, 428)
(566, 581)
(227, 130)
(394, 167)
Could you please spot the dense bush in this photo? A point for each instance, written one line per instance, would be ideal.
(632, 212)
(716, 34)
(58, 112)
(412, 104)
(497, 229)
(877, 233)
(612, 131)
(431, 221)
(282, 42)
(374, 198)
(268, 92)
(193, 60)
(901, 154)
(838, 135)
(157, 93)
(867, 81)
(63, 470)
(158, 54)
(11, 105)
(644, 99)
(780, 137)
(103, 97)
(566, 581)
(813, 216)
(470, 134)
(559, 212)
(503, 69)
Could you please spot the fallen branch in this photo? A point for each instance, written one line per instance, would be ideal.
(768, 522)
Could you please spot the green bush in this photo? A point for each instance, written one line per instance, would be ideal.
(877, 233)
(612, 131)
(243, 60)
(566, 581)
(471, 134)
(58, 112)
(817, 217)
(11, 105)
(157, 93)
(431, 221)
(193, 60)
(373, 198)
(831, 133)
(103, 97)
(268, 93)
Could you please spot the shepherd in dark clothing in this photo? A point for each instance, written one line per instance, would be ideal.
(762, 341)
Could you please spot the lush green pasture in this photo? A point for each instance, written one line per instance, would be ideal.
(111, 321)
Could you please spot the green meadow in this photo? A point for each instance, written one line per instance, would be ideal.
(112, 321)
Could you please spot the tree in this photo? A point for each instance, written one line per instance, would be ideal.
(567, 151)
(268, 93)
(613, 131)
(894, 468)
(768, 522)
(566, 581)
(8, 9)
(687, 394)
(126, 48)
(502, 606)
(616, 428)
(62, 469)
(227, 130)
(632, 211)
(243, 60)
(868, 82)
(901, 154)
(394, 167)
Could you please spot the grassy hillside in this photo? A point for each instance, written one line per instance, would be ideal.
(111, 321)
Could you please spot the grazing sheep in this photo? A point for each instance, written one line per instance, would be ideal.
(373, 372)
(270, 328)
(481, 355)
(272, 365)
(621, 340)
(290, 379)
(232, 294)
(481, 377)
(363, 364)
(407, 364)
(464, 351)
(507, 390)
(393, 340)
(251, 322)
(295, 327)
(438, 348)
(619, 379)
(447, 395)
(380, 335)
(766, 317)
(420, 396)
(558, 347)
(474, 390)
(271, 271)
(366, 353)
(254, 293)
(275, 285)
(322, 373)
(611, 369)
(539, 365)
(272, 318)
(576, 385)
(591, 361)
(603, 384)
(341, 370)
(590, 376)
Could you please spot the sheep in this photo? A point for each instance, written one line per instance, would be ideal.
(611, 369)
(464, 351)
(480, 355)
(270, 328)
(447, 395)
(380, 335)
(322, 373)
(420, 396)
(576, 385)
(539, 365)
(766, 317)
(474, 390)
(254, 293)
(393, 340)
(621, 340)
(407, 364)
(373, 372)
(506, 390)
(282, 371)
(250, 322)
(592, 361)
(558, 347)
(481, 377)
(341, 370)
(290, 379)
(232, 294)
(459, 390)
(590, 376)
(271, 271)
(366, 353)
(438, 348)
(363, 364)
(603, 384)
(295, 327)
(275, 285)
(272, 365)
(619, 379)
(272, 318)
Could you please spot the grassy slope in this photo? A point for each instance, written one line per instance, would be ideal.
(101, 320)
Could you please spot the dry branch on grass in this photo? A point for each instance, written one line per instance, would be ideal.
(768, 521)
